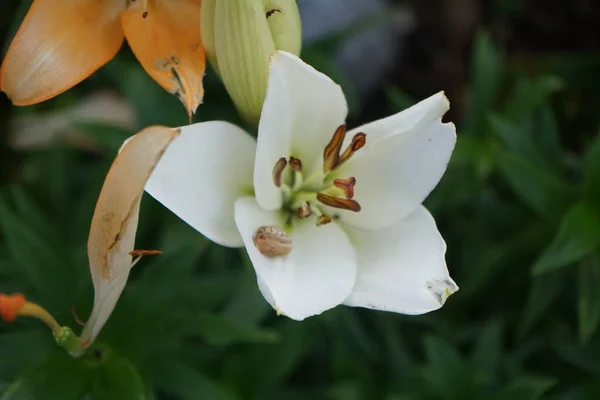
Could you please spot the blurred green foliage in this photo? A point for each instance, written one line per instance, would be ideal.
(519, 208)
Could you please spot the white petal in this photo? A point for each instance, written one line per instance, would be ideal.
(394, 175)
(202, 173)
(319, 272)
(302, 109)
(401, 268)
(405, 122)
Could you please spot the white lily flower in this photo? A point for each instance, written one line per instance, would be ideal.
(328, 217)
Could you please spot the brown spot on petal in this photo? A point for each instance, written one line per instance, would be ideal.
(271, 12)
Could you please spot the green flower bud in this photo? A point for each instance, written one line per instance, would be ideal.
(239, 36)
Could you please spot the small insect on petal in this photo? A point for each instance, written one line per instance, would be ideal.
(272, 241)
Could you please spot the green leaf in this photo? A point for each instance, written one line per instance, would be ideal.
(588, 304)
(446, 373)
(59, 377)
(45, 270)
(542, 294)
(578, 236)
(546, 193)
(187, 383)
(585, 358)
(591, 177)
(518, 139)
(399, 99)
(547, 135)
(528, 95)
(585, 391)
(117, 378)
(247, 304)
(221, 331)
(487, 353)
(22, 350)
(487, 70)
(108, 137)
(526, 389)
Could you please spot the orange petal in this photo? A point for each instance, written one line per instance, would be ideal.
(10, 306)
(115, 220)
(59, 44)
(165, 37)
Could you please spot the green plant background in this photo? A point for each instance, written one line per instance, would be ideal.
(519, 208)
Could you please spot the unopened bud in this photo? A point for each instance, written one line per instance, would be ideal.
(240, 36)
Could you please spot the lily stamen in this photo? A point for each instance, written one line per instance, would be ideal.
(278, 171)
(347, 185)
(331, 154)
(337, 202)
(323, 220)
(304, 211)
(358, 142)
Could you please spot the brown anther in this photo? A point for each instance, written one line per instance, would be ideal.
(144, 14)
(295, 164)
(347, 185)
(323, 220)
(331, 154)
(358, 142)
(136, 253)
(338, 202)
(304, 211)
(278, 171)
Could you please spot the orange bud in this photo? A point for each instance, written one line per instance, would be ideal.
(10, 305)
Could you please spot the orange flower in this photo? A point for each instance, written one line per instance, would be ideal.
(10, 305)
(62, 42)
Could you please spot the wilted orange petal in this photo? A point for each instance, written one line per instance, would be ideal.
(10, 306)
(59, 44)
(115, 220)
(165, 37)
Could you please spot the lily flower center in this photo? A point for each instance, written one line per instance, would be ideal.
(305, 196)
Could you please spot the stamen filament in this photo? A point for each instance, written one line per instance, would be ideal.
(304, 196)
